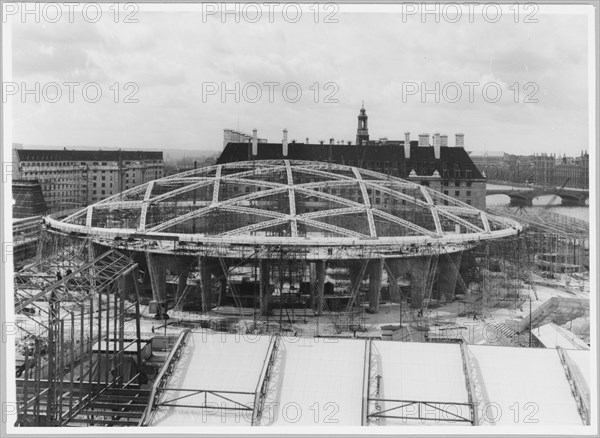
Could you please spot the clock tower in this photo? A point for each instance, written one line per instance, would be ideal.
(362, 133)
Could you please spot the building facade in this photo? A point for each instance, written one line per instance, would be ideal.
(429, 162)
(539, 169)
(75, 178)
(573, 172)
(233, 136)
(28, 199)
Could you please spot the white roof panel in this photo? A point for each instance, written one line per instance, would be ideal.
(524, 387)
(415, 371)
(214, 362)
(552, 336)
(582, 359)
(318, 382)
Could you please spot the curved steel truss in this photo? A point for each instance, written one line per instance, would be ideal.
(297, 200)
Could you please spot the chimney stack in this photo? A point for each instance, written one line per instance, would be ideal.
(444, 140)
(306, 140)
(423, 140)
(436, 145)
(331, 140)
(254, 142)
(460, 140)
(284, 144)
(407, 144)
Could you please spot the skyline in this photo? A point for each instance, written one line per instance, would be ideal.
(175, 60)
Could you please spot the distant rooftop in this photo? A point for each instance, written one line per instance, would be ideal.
(496, 154)
(422, 158)
(85, 155)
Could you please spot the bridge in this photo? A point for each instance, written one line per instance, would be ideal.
(524, 195)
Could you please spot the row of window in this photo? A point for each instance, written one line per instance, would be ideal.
(457, 192)
(83, 163)
(456, 183)
(402, 168)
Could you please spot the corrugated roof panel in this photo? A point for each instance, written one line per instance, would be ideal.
(414, 371)
(214, 362)
(524, 387)
(319, 382)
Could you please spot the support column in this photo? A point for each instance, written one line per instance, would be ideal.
(222, 289)
(355, 269)
(419, 272)
(146, 283)
(448, 268)
(320, 271)
(158, 279)
(393, 273)
(221, 274)
(127, 286)
(265, 287)
(311, 289)
(375, 271)
(182, 283)
(205, 285)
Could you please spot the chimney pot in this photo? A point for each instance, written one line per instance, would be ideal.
(444, 140)
(254, 142)
(460, 140)
(284, 143)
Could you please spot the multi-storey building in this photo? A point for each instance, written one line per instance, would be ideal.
(74, 178)
(543, 168)
(448, 169)
(573, 172)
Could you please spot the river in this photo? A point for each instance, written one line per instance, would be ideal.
(582, 213)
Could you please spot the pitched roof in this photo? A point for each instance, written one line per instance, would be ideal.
(391, 151)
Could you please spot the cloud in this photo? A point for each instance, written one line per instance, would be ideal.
(170, 55)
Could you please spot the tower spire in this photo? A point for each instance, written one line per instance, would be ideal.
(362, 133)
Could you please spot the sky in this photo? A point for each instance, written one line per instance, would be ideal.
(176, 65)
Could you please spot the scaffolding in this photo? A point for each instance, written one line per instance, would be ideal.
(79, 339)
(278, 240)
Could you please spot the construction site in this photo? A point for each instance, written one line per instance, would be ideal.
(188, 298)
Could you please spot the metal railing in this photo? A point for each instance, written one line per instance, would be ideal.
(163, 376)
(420, 408)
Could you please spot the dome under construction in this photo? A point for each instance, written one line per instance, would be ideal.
(305, 204)
(256, 213)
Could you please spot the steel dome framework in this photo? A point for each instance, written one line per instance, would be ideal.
(282, 202)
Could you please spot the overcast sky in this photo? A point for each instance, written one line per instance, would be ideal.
(368, 56)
